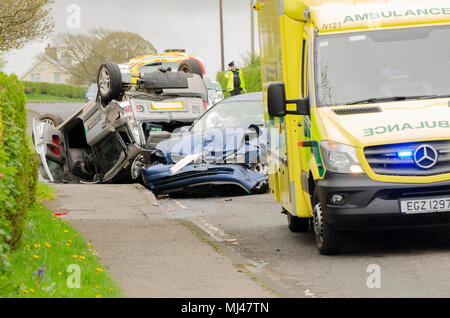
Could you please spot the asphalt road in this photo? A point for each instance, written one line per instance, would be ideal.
(412, 263)
(65, 110)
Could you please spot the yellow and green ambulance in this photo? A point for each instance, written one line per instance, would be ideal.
(357, 110)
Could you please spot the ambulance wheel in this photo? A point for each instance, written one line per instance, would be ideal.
(296, 224)
(328, 239)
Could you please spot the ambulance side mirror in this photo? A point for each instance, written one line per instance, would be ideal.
(276, 101)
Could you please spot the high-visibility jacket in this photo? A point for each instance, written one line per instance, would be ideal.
(230, 77)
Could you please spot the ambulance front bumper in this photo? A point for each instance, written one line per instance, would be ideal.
(369, 204)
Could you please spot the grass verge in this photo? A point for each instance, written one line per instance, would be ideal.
(51, 244)
(52, 98)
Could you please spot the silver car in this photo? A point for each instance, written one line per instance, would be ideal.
(215, 93)
(99, 143)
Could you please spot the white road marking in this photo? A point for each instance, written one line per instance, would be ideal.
(180, 205)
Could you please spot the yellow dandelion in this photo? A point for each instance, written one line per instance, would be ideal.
(59, 273)
(68, 221)
(67, 244)
(82, 257)
(70, 241)
(74, 256)
(26, 291)
(48, 245)
(98, 296)
(35, 256)
(32, 290)
(98, 269)
(110, 289)
(66, 231)
(36, 245)
(84, 253)
(90, 244)
(27, 247)
(97, 287)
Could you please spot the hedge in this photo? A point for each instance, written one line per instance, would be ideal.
(60, 90)
(18, 166)
(252, 78)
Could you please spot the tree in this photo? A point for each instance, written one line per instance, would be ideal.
(89, 51)
(23, 21)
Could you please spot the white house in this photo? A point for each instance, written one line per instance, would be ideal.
(49, 68)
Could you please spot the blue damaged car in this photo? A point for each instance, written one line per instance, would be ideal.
(225, 146)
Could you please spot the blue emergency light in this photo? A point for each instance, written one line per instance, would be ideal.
(405, 154)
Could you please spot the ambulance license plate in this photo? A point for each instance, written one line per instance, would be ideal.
(418, 206)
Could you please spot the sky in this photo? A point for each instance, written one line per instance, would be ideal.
(183, 24)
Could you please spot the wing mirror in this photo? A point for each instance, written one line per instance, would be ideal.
(276, 101)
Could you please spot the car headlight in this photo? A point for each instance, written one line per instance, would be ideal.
(340, 158)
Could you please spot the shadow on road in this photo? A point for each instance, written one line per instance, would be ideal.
(430, 239)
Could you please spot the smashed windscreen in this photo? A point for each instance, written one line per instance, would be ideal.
(231, 114)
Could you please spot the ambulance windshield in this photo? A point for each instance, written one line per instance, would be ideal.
(382, 66)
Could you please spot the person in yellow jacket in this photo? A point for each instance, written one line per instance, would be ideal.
(235, 78)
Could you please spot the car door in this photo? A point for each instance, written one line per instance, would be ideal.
(102, 125)
(50, 146)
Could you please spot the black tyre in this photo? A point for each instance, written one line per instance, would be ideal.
(191, 66)
(51, 119)
(109, 81)
(296, 224)
(328, 239)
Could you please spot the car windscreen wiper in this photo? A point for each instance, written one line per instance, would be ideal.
(392, 99)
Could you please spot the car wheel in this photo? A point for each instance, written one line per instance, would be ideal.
(109, 81)
(191, 66)
(52, 120)
(328, 239)
(296, 224)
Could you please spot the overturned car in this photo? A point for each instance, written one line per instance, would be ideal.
(99, 143)
(225, 146)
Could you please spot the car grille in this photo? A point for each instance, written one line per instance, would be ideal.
(384, 160)
(357, 111)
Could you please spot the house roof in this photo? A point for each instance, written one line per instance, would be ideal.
(45, 57)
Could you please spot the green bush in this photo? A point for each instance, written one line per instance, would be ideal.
(252, 77)
(18, 166)
(60, 90)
